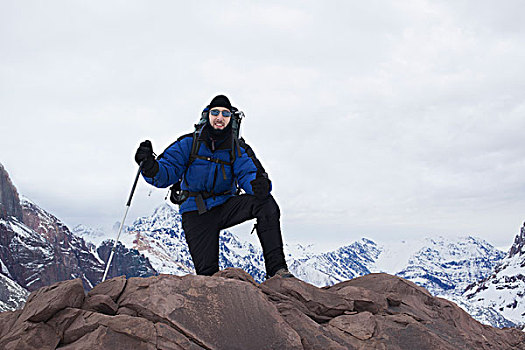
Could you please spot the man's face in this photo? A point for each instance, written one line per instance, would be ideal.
(219, 122)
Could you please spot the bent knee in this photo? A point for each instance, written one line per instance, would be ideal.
(268, 209)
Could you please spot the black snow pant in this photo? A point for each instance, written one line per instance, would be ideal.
(202, 231)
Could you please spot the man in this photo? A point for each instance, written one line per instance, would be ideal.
(209, 181)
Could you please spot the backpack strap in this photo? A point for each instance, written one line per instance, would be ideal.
(195, 146)
(201, 196)
(213, 160)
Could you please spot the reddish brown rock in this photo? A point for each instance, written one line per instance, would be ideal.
(100, 303)
(30, 336)
(87, 322)
(63, 319)
(190, 304)
(170, 339)
(237, 274)
(45, 302)
(106, 338)
(322, 304)
(70, 256)
(112, 287)
(127, 311)
(363, 299)
(38, 249)
(230, 311)
(361, 325)
(422, 321)
(7, 320)
(313, 335)
(393, 300)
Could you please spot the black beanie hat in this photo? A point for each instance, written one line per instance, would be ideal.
(220, 101)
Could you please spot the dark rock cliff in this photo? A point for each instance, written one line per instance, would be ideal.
(37, 249)
(9, 199)
(518, 247)
(126, 261)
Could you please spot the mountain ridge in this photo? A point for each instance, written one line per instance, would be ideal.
(159, 239)
(434, 262)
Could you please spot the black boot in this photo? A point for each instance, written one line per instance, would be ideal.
(284, 273)
(269, 233)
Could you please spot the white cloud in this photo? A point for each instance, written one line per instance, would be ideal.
(380, 119)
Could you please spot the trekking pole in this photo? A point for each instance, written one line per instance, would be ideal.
(122, 223)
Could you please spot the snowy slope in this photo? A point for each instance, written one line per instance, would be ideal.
(504, 290)
(92, 235)
(444, 266)
(72, 258)
(395, 256)
(12, 295)
(342, 264)
(160, 238)
(25, 253)
(482, 313)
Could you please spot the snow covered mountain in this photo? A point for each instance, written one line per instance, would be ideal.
(442, 265)
(342, 264)
(504, 290)
(92, 235)
(26, 256)
(160, 238)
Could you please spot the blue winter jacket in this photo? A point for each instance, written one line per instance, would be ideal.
(203, 175)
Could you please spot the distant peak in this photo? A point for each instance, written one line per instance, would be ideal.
(163, 216)
(165, 207)
(518, 248)
(367, 241)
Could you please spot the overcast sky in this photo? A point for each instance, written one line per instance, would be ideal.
(382, 119)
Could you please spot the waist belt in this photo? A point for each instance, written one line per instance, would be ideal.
(201, 196)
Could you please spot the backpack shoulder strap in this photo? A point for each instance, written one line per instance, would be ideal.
(195, 143)
(251, 154)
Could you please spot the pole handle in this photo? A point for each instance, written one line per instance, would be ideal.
(134, 184)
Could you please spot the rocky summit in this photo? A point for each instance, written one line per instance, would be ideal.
(231, 311)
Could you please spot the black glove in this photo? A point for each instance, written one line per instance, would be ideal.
(144, 155)
(261, 186)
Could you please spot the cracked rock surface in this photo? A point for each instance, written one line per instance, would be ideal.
(230, 311)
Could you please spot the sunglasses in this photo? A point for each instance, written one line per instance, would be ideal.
(216, 112)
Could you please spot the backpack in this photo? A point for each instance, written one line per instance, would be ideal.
(176, 194)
